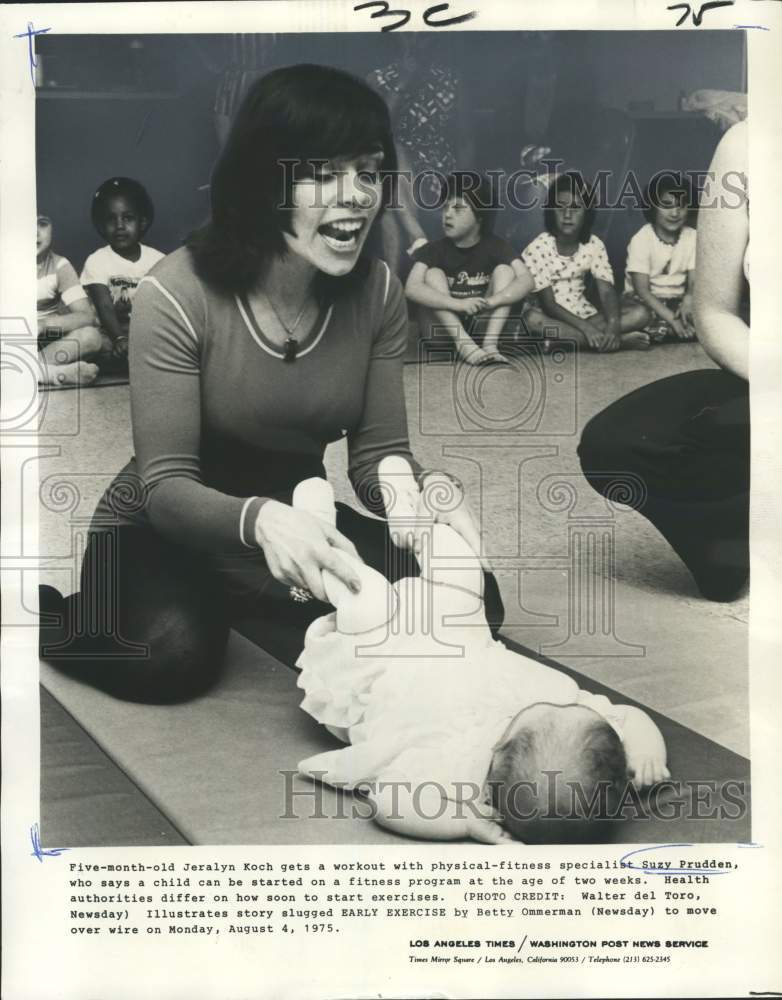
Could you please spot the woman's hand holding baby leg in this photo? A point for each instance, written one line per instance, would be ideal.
(358, 610)
(299, 547)
(412, 511)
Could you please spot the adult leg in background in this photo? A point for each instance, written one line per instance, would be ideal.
(687, 439)
(148, 624)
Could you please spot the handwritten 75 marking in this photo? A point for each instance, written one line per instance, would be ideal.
(697, 15)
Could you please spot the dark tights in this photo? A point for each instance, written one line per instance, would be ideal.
(150, 622)
(685, 440)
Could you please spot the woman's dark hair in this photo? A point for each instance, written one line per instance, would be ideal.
(289, 119)
(570, 183)
(664, 183)
(478, 191)
(124, 187)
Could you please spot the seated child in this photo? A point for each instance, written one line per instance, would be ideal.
(660, 275)
(468, 272)
(122, 212)
(456, 735)
(559, 261)
(66, 323)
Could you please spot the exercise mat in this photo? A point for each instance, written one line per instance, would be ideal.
(221, 768)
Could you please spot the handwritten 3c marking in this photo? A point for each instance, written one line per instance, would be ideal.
(403, 15)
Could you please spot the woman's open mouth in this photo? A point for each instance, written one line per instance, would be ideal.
(342, 236)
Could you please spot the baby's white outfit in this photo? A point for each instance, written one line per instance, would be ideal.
(424, 693)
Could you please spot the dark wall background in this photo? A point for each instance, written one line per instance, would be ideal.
(144, 107)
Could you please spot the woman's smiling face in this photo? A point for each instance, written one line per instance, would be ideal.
(333, 210)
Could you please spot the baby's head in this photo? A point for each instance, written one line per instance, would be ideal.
(557, 770)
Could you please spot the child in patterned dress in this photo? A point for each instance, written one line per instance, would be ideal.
(560, 260)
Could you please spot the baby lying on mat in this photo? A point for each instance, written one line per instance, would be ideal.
(451, 734)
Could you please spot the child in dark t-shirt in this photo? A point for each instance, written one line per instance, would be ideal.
(468, 273)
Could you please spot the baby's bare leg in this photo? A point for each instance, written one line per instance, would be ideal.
(356, 613)
(448, 560)
(371, 608)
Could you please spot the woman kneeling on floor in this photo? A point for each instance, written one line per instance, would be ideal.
(255, 345)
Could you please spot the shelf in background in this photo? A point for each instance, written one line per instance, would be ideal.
(687, 115)
(63, 94)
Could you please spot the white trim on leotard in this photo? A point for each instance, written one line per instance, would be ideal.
(174, 303)
(242, 518)
(269, 350)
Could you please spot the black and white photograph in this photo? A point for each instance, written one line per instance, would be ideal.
(396, 287)
(386, 476)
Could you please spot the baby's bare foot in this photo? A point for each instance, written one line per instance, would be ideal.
(76, 373)
(636, 340)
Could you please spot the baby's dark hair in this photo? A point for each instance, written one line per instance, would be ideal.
(124, 187)
(664, 183)
(558, 786)
(570, 183)
(478, 191)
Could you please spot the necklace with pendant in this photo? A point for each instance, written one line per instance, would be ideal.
(291, 347)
